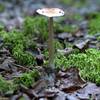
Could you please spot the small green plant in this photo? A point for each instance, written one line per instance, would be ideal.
(66, 2)
(92, 15)
(88, 63)
(70, 28)
(98, 38)
(13, 38)
(1, 27)
(22, 57)
(37, 27)
(75, 17)
(94, 24)
(18, 44)
(27, 79)
(58, 45)
(5, 86)
(78, 4)
(2, 7)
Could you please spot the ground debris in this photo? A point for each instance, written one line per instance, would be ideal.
(82, 45)
(70, 80)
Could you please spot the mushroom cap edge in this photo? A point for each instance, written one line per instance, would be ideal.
(50, 12)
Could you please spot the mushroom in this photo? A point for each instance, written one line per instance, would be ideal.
(50, 13)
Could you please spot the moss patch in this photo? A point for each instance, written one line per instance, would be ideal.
(27, 79)
(88, 63)
(17, 43)
(5, 86)
(36, 26)
(78, 3)
(2, 7)
(94, 24)
(35, 29)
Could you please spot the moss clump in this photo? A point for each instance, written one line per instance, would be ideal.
(75, 17)
(78, 3)
(92, 15)
(98, 38)
(70, 28)
(5, 86)
(58, 45)
(22, 57)
(94, 24)
(88, 63)
(18, 43)
(70, 23)
(2, 7)
(36, 27)
(1, 27)
(27, 79)
(68, 2)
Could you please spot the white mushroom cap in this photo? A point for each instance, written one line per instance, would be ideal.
(51, 12)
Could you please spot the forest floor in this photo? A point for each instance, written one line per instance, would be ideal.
(24, 71)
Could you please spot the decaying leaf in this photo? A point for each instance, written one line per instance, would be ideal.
(70, 80)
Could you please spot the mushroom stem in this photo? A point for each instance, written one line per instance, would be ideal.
(51, 44)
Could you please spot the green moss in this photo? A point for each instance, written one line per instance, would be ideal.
(5, 86)
(18, 43)
(68, 2)
(36, 26)
(14, 37)
(70, 28)
(92, 15)
(98, 38)
(94, 24)
(1, 27)
(75, 16)
(27, 79)
(58, 45)
(22, 57)
(78, 3)
(2, 7)
(88, 63)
